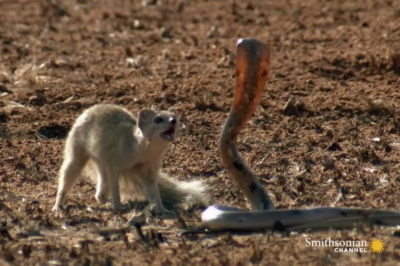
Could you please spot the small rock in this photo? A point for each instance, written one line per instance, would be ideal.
(38, 99)
(3, 88)
(136, 62)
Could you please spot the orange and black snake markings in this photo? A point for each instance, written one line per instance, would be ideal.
(252, 187)
(238, 165)
(252, 67)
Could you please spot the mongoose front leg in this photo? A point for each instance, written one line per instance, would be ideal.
(153, 195)
(102, 191)
(149, 186)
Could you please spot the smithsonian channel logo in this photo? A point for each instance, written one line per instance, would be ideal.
(362, 246)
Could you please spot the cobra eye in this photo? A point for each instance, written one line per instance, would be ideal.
(158, 120)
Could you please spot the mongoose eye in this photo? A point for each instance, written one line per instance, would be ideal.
(158, 120)
(172, 121)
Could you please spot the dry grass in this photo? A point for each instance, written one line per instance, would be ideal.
(204, 101)
(28, 73)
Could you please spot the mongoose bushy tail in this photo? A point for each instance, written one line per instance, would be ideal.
(171, 191)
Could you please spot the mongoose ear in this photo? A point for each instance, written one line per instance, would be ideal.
(145, 116)
(173, 111)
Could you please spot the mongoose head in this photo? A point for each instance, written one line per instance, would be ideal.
(159, 124)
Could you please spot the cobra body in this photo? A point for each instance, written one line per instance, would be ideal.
(252, 68)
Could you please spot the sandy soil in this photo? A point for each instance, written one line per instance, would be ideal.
(339, 147)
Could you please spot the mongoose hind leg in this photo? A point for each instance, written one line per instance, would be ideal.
(71, 168)
(102, 191)
(110, 175)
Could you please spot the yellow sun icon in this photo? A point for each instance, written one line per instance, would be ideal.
(376, 245)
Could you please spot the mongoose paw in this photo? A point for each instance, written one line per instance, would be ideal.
(117, 206)
(102, 199)
(165, 214)
(56, 208)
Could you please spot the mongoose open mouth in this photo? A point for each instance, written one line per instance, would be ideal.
(169, 134)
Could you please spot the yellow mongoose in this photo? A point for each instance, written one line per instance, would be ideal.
(126, 153)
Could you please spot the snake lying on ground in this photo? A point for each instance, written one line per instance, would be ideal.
(252, 68)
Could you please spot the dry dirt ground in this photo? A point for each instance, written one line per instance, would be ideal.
(338, 145)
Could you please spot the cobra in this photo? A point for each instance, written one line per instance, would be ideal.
(252, 69)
